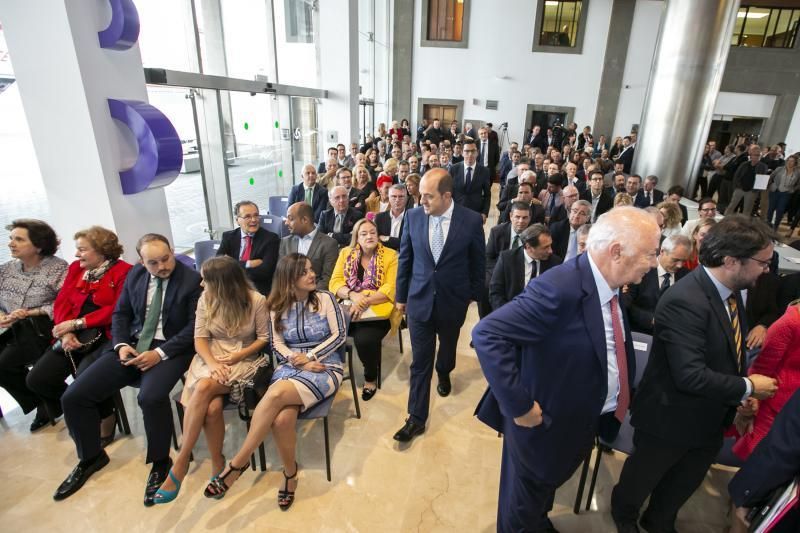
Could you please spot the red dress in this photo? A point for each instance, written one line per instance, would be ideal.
(780, 359)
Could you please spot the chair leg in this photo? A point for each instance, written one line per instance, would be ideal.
(262, 455)
(594, 477)
(122, 415)
(380, 368)
(400, 338)
(252, 455)
(352, 379)
(179, 409)
(327, 448)
(578, 497)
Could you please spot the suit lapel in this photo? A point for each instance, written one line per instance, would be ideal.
(721, 312)
(518, 270)
(312, 248)
(236, 245)
(452, 232)
(592, 313)
(143, 285)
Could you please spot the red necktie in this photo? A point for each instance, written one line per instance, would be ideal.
(624, 398)
(248, 247)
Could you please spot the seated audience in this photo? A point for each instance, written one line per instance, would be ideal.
(365, 276)
(373, 163)
(596, 195)
(641, 299)
(310, 192)
(649, 195)
(304, 238)
(255, 248)
(674, 194)
(774, 463)
(337, 222)
(516, 267)
(509, 191)
(344, 178)
(633, 186)
(86, 301)
(152, 346)
(672, 218)
(505, 236)
(564, 232)
(29, 284)
(390, 222)
(784, 181)
(570, 195)
(583, 236)
(390, 168)
(698, 234)
(380, 203)
(306, 328)
(331, 153)
(328, 178)
(622, 199)
(412, 186)
(706, 208)
(230, 331)
(551, 197)
(365, 187)
(524, 195)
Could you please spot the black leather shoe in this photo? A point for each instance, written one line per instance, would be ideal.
(78, 477)
(444, 387)
(367, 394)
(158, 474)
(651, 528)
(38, 423)
(626, 527)
(409, 431)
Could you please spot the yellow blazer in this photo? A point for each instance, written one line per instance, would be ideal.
(389, 268)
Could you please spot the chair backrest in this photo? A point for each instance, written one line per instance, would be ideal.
(642, 343)
(185, 259)
(278, 205)
(204, 250)
(274, 224)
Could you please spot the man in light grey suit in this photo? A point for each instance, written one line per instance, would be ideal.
(305, 239)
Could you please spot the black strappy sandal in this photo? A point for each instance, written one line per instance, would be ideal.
(217, 488)
(286, 496)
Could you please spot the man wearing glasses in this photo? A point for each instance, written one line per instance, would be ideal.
(597, 196)
(254, 247)
(706, 208)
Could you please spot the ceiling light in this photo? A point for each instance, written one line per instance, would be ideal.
(751, 15)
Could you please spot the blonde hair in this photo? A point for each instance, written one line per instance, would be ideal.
(672, 214)
(227, 293)
(622, 199)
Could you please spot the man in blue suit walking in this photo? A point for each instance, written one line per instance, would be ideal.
(560, 363)
(440, 271)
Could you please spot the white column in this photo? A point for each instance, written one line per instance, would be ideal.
(65, 79)
(338, 67)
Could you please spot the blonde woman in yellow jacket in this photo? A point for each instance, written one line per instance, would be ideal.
(364, 277)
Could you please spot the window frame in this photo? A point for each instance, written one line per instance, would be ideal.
(771, 9)
(290, 10)
(423, 37)
(537, 31)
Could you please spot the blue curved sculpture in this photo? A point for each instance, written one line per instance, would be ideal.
(160, 152)
(123, 30)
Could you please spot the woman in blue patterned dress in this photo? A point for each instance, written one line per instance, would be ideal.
(306, 330)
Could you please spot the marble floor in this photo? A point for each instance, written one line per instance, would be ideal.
(445, 481)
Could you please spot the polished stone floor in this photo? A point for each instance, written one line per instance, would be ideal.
(445, 481)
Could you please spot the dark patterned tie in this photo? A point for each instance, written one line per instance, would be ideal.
(737, 330)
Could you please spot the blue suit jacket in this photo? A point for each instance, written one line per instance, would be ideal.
(177, 315)
(456, 279)
(319, 201)
(548, 345)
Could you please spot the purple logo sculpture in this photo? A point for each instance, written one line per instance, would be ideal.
(123, 30)
(160, 152)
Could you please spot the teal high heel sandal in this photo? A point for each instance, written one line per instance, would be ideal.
(166, 496)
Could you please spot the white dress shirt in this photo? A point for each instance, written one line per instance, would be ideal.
(445, 223)
(530, 265)
(485, 152)
(304, 243)
(661, 273)
(605, 293)
(397, 221)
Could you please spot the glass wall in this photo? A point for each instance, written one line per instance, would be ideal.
(765, 27)
(166, 35)
(23, 193)
(373, 63)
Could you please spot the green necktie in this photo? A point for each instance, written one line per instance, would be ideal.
(309, 195)
(151, 320)
(515, 244)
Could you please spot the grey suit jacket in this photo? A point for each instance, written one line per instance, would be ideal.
(323, 253)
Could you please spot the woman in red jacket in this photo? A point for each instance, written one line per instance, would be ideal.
(779, 359)
(82, 316)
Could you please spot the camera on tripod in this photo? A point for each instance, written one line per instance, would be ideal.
(504, 126)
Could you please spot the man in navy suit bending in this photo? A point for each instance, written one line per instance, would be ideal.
(440, 271)
(567, 375)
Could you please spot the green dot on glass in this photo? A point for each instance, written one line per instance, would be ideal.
(277, 124)
(246, 126)
(280, 173)
(252, 181)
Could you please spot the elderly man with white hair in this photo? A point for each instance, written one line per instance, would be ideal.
(567, 375)
(338, 221)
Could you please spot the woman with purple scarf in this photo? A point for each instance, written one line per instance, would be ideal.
(364, 278)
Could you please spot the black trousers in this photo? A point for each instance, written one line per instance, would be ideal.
(368, 337)
(46, 378)
(101, 380)
(423, 345)
(667, 472)
(20, 347)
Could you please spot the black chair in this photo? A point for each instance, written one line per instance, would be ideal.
(278, 205)
(204, 250)
(624, 441)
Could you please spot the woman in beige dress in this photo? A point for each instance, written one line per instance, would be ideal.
(229, 333)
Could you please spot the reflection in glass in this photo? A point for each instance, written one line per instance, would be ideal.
(765, 27)
(560, 22)
(445, 20)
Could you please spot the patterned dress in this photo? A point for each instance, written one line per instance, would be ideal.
(320, 333)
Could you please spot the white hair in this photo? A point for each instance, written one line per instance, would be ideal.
(624, 224)
(528, 175)
(332, 190)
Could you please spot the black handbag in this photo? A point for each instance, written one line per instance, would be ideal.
(89, 339)
(254, 389)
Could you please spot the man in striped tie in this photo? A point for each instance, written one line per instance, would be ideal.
(696, 377)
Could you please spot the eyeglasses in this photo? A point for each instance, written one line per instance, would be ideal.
(764, 264)
(249, 217)
(468, 151)
(708, 209)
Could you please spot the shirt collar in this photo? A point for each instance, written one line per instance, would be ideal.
(309, 236)
(724, 292)
(528, 258)
(604, 292)
(447, 215)
(661, 270)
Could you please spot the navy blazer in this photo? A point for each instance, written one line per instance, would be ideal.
(774, 462)
(508, 277)
(327, 221)
(641, 201)
(319, 201)
(177, 315)
(456, 279)
(548, 345)
(478, 195)
(265, 247)
(383, 221)
(642, 298)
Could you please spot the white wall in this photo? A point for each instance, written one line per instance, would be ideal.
(500, 40)
(744, 105)
(793, 136)
(644, 31)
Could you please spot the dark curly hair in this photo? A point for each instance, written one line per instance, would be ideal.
(40, 234)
